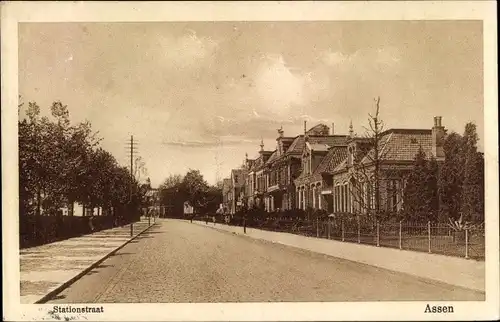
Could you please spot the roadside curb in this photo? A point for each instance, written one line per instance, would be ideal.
(72, 280)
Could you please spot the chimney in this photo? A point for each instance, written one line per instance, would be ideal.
(280, 131)
(438, 135)
(262, 145)
(333, 129)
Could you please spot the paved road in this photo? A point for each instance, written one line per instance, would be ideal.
(177, 261)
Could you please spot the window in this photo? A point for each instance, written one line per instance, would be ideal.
(348, 192)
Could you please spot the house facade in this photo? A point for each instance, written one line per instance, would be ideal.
(237, 192)
(321, 151)
(335, 173)
(354, 179)
(256, 181)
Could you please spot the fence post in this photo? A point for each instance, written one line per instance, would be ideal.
(317, 227)
(400, 235)
(329, 224)
(429, 233)
(131, 229)
(467, 243)
(378, 234)
(342, 222)
(359, 232)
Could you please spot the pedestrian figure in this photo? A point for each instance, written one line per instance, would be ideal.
(213, 219)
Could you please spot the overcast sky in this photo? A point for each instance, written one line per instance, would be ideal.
(195, 93)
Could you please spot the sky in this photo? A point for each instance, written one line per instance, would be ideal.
(199, 95)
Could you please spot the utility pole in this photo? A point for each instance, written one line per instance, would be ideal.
(131, 163)
(132, 147)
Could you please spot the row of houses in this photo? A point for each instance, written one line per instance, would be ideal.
(320, 169)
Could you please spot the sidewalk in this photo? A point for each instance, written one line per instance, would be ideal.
(48, 269)
(447, 269)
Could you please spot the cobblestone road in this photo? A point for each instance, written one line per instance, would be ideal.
(176, 261)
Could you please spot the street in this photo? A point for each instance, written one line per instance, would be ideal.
(177, 261)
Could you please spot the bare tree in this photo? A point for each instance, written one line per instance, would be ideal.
(369, 171)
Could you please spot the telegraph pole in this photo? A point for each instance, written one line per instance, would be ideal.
(132, 150)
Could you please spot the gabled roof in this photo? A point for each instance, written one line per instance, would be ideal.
(320, 129)
(273, 157)
(296, 146)
(241, 173)
(331, 140)
(334, 157)
(258, 163)
(396, 145)
(402, 145)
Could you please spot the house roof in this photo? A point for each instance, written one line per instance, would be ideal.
(334, 157)
(287, 141)
(241, 174)
(396, 145)
(402, 145)
(259, 162)
(273, 157)
(317, 146)
(330, 140)
(296, 146)
(319, 129)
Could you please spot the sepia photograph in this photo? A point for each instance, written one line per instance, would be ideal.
(214, 160)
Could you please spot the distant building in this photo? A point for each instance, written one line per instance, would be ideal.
(237, 192)
(227, 189)
(188, 209)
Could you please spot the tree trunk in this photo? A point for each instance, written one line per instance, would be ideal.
(39, 201)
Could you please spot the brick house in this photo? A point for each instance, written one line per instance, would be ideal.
(321, 151)
(256, 183)
(286, 166)
(351, 182)
(323, 170)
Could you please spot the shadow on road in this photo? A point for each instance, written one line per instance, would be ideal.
(58, 297)
(152, 231)
(121, 254)
(96, 269)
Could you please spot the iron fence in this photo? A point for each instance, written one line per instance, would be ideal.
(437, 238)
